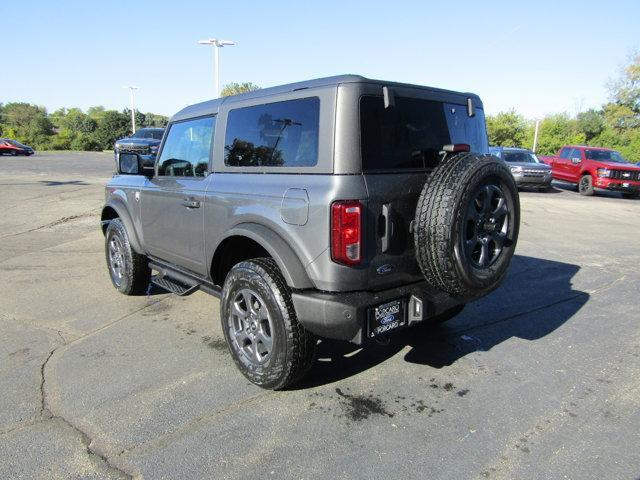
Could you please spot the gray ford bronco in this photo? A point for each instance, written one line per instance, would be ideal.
(341, 208)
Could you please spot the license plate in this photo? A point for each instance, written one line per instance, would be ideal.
(386, 318)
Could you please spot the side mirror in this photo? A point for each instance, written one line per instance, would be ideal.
(576, 160)
(132, 164)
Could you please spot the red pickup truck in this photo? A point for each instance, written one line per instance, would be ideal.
(593, 167)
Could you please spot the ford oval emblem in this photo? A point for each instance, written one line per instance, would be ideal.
(384, 269)
(387, 320)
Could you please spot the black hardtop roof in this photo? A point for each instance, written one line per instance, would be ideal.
(211, 106)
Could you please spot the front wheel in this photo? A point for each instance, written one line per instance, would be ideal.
(129, 270)
(585, 187)
(268, 344)
(631, 195)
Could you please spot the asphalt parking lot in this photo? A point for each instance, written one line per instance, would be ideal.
(539, 380)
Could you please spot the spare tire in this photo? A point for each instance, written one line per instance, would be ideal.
(466, 225)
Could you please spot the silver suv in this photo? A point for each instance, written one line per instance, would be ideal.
(342, 208)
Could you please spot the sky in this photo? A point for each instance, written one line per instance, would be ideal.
(537, 57)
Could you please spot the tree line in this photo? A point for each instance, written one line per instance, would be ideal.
(70, 129)
(73, 129)
(614, 125)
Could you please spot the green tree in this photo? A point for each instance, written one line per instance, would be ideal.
(507, 129)
(591, 123)
(235, 88)
(96, 112)
(111, 126)
(556, 131)
(155, 120)
(78, 121)
(27, 123)
(625, 90)
(84, 141)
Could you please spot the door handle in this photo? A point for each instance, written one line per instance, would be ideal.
(388, 227)
(191, 203)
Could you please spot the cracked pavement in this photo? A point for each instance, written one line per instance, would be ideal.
(538, 380)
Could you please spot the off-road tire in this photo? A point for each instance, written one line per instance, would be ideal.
(135, 271)
(631, 196)
(293, 349)
(585, 185)
(441, 221)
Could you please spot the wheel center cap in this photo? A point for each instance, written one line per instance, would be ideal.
(487, 225)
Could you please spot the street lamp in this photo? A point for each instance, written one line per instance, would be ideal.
(133, 107)
(214, 42)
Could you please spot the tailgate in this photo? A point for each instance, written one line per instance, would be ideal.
(400, 145)
(388, 240)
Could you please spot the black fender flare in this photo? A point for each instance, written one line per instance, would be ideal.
(288, 261)
(123, 213)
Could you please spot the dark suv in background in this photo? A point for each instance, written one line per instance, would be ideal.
(144, 142)
(526, 168)
(342, 208)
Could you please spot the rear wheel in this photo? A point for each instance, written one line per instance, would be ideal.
(467, 224)
(268, 344)
(585, 186)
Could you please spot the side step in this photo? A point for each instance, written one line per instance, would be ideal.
(178, 281)
(174, 286)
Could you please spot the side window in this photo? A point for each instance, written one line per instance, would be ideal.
(281, 134)
(565, 152)
(186, 150)
(576, 153)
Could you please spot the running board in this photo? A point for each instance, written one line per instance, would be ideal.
(179, 281)
(174, 286)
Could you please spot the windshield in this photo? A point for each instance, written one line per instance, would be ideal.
(605, 156)
(520, 157)
(148, 133)
(15, 144)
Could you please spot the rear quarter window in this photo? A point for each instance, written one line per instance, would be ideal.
(280, 134)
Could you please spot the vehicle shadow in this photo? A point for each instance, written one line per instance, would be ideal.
(552, 189)
(560, 186)
(536, 298)
(55, 183)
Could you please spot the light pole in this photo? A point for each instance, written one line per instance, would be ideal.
(535, 136)
(214, 42)
(133, 107)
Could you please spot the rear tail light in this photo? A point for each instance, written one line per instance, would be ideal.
(346, 232)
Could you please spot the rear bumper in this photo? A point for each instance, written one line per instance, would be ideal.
(343, 316)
